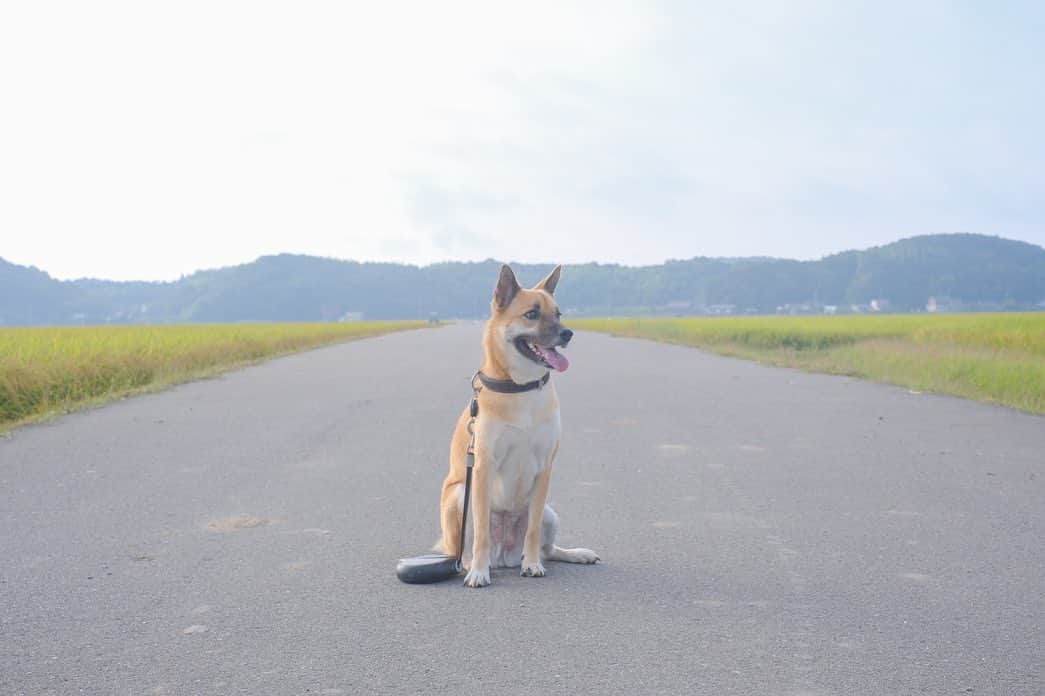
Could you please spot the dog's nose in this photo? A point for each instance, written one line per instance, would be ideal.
(566, 335)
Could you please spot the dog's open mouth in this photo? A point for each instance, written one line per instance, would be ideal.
(549, 357)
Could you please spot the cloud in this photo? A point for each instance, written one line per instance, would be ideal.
(439, 212)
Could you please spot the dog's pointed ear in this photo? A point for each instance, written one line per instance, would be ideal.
(550, 281)
(507, 288)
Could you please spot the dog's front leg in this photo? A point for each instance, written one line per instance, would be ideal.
(531, 560)
(479, 570)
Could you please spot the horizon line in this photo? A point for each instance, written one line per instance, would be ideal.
(511, 263)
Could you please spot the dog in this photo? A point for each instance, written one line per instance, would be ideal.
(516, 439)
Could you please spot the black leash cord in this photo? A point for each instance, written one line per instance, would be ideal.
(473, 411)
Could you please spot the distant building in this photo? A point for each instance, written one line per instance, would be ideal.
(938, 304)
(351, 316)
(830, 309)
(799, 308)
(880, 305)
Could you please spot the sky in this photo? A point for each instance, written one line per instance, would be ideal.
(144, 140)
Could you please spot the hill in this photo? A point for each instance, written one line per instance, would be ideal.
(960, 271)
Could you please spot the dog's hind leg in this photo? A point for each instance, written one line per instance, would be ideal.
(551, 552)
(450, 519)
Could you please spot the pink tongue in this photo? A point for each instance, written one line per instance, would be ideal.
(554, 358)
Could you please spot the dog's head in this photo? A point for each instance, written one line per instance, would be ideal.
(526, 326)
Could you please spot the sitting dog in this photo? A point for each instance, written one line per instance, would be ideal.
(516, 438)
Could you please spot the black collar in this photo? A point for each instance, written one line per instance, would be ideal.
(507, 386)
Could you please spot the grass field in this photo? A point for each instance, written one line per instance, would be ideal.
(999, 358)
(44, 371)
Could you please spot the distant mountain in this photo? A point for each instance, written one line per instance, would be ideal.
(960, 271)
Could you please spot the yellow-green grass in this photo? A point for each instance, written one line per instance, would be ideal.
(47, 371)
(998, 358)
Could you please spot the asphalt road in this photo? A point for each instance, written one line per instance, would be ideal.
(763, 531)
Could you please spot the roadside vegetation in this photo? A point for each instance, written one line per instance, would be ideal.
(46, 371)
(998, 358)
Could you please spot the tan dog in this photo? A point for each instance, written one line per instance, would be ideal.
(517, 436)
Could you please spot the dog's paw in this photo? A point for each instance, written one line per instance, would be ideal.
(586, 556)
(532, 570)
(477, 578)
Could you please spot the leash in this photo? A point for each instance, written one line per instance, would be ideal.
(501, 386)
(436, 567)
(473, 413)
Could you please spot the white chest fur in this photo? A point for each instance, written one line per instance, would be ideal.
(520, 453)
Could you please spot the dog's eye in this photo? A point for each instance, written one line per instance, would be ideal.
(533, 315)
(558, 314)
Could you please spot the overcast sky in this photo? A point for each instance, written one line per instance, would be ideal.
(145, 140)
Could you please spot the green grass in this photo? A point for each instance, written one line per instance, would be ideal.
(46, 371)
(998, 358)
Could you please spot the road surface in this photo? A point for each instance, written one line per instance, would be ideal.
(763, 531)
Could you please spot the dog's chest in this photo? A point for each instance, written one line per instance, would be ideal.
(520, 454)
